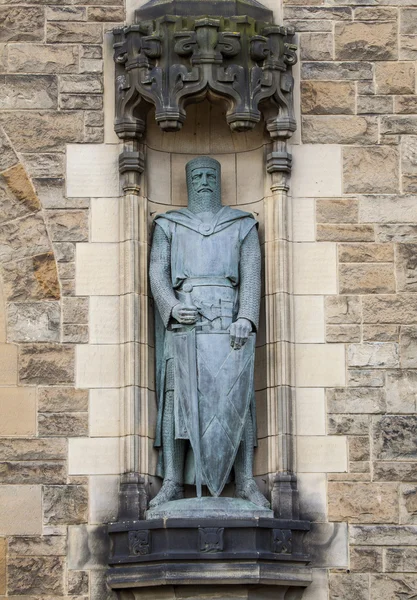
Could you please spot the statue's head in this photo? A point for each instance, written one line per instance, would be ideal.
(203, 184)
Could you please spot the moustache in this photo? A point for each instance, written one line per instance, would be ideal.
(205, 189)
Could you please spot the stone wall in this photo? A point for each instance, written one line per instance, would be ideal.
(355, 242)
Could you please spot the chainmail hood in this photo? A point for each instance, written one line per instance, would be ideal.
(198, 202)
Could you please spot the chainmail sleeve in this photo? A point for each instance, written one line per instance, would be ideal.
(160, 274)
(250, 278)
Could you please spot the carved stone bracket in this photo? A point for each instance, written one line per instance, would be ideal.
(172, 61)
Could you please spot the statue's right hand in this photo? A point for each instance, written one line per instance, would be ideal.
(185, 314)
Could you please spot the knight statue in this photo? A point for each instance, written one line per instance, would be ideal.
(205, 275)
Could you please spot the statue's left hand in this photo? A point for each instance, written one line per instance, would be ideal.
(239, 333)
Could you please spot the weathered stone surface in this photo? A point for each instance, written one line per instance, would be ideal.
(75, 334)
(375, 13)
(366, 41)
(408, 504)
(44, 165)
(401, 389)
(23, 237)
(34, 278)
(359, 448)
(398, 125)
(343, 309)
(84, 33)
(63, 424)
(356, 400)
(94, 119)
(394, 78)
(363, 502)
(51, 192)
(365, 560)
(32, 450)
(378, 105)
(366, 278)
(48, 545)
(363, 253)
(365, 378)
(387, 587)
(339, 130)
(36, 472)
(66, 13)
(65, 504)
(406, 267)
(343, 333)
(383, 535)
(395, 471)
(318, 13)
(370, 170)
(396, 233)
(66, 270)
(409, 155)
(62, 399)
(88, 547)
(33, 322)
(316, 46)
(337, 210)
(336, 70)
(21, 23)
(347, 424)
(81, 84)
(68, 225)
(376, 354)
(64, 251)
(344, 232)
(327, 97)
(46, 364)
(40, 58)
(405, 105)
(8, 157)
(353, 586)
(408, 47)
(91, 65)
(394, 437)
(91, 52)
(44, 131)
(408, 20)
(94, 135)
(401, 560)
(81, 102)
(381, 333)
(78, 583)
(408, 346)
(390, 309)
(113, 14)
(36, 576)
(75, 310)
(28, 91)
(3, 548)
(21, 187)
(388, 209)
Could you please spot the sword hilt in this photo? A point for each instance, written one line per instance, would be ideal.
(187, 288)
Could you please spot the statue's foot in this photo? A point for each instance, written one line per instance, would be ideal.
(248, 490)
(170, 490)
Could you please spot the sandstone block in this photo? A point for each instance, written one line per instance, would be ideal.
(408, 504)
(408, 47)
(113, 14)
(343, 309)
(80, 102)
(33, 278)
(78, 583)
(41, 58)
(65, 504)
(63, 424)
(363, 502)
(365, 560)
(365, 378)
(388, 209)
(23, 237)
(62, 399)
(366, 41)
(376, 355)
(3, 548)
(356, 400)
(103, 498)
(366, 278)
(343, 333)
(406, 267)
(19, 196)
(401, 389)
(27, 472)
(90, 51)
(383, 535)
(68, 225)
(8, 361)
(33, 322)
(64, 251)
(396, 233)
(36, 576)
(66, 13)
(318, 454)
(363, 253)
(394, 77)
(408, 155)
(327, 97)
(44, 131)
(75, 310)
(348, 424)
(17, 412)
(398, 125)
(84, 33)
(394, 437)
(20, 510)
(359, 448)
(354, 586)
(344, 232)
(390, 309)
(370, 170)
(339, 130)
(94, 456)
(28, 91)
(337, 210)
(405, 105)
(46, 364)
(400, 560)
(395, 471)
(408, 20)
(43, 165)
(385, 587)
(408, 346)
(381, 333)
(379, 105)
(47, 545)
(309, 178)
(337, 70)
(81, 84)
(318, 13)
(8, 157)
(32, 450)
(21, 23)
(375, 13)
(316, 46)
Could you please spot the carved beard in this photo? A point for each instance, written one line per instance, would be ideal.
(204, 201)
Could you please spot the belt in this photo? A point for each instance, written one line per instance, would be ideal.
(208, 281)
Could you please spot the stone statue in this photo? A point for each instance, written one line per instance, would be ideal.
(205, 274)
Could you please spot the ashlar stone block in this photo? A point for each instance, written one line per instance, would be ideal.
(366, 279)
(95, 456)
(36, 575)
(353, 586)
(395, 77)
(309, 179)
(373, 355)
(92, 170)
(315, 268)
(46, 364)
(366, 41)
(401, 387)
(394, 437)
(320, 365)
(408, 346)
(17, 411)
(370, 170)
(42, 58)
(33, 321)
(343, 129)
(363, 502)
(20, 510)
(65, 505)
(321, 454)
(97, 269)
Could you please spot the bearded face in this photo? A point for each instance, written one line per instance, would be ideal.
(204, 181)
